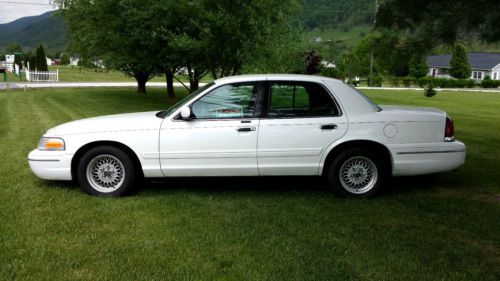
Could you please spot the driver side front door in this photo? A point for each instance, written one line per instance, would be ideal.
(219, 140)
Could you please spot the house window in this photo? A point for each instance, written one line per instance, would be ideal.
(495, 75)
(478, 75)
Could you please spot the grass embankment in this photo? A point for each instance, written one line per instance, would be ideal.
(437, 227)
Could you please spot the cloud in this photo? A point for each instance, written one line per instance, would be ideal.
(11, 11)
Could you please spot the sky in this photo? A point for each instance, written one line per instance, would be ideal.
(13, 9)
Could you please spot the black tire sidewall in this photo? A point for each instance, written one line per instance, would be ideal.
(130, 172)
(334, 170)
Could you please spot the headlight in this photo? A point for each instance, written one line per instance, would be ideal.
(51, 144)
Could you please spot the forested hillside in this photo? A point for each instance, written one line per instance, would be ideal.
(337, 13)
(48, 29)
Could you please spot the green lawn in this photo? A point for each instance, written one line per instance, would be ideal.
(437, 227)
(78, 74)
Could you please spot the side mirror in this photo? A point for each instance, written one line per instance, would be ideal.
(186, 113)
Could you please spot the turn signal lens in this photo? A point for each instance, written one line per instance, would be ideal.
(51, 144)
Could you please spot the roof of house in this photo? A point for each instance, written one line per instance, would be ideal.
(485, 61)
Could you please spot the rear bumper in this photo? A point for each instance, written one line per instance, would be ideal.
(420, 159)
(50, 165)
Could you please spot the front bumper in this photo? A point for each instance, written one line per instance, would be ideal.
(50, 165)
(427, 158)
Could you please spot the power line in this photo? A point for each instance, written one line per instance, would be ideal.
(26, 3)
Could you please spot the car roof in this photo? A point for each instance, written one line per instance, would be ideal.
(263, 77)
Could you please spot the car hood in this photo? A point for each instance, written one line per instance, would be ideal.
(109, 123)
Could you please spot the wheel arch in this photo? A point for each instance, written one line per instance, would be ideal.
(380, 148)
(82, 150)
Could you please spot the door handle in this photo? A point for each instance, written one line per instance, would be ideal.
(328, 127)
(246, 129)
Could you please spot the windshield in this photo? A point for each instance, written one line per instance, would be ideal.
(183, 101)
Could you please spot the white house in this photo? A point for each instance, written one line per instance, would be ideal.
(49, 61)
(74, 60)
(482, 65)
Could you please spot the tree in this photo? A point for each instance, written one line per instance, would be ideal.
(41, 59)
(459, 64)
(65, 59)
(13, 48)
(442, 21)
(231, 32)
(418, 66)
(143, 38)
(18, 60)
(118, 32)
(30, 60)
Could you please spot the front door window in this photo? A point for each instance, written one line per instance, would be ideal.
(227, 102)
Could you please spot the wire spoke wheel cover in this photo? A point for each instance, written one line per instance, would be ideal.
(358, 175)
(105, 173)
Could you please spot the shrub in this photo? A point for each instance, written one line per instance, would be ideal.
(470, 83)
(407, 81)
(377, 80)
(488, 83)
(429, 91)
(395, 81)
(424, 81)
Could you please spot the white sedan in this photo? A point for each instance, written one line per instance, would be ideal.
(255, 125)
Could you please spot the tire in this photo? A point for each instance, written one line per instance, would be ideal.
(357, 172)
(106, 171)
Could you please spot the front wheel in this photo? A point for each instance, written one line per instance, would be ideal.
(357, 172)
(106, 171)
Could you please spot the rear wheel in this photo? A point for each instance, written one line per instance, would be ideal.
(106, 171)
(357, 172)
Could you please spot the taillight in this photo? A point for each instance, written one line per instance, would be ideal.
(449, 130)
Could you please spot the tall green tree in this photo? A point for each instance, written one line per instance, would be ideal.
(116, 32)
(146, 37)
(232, 31)
(418, 66)
(18, 60)
(459, 64)
(41, 59)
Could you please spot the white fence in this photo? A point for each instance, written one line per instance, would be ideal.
(42, 76)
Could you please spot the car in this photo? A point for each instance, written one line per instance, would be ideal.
(255, 125)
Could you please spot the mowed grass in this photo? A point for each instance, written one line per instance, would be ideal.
(79, 74)
(436, 227)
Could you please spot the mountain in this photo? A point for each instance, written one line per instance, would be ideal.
(49, 29)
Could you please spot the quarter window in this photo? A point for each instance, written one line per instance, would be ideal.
(227, 102)
(299, 99)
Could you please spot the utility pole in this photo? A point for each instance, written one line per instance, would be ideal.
(371, 57)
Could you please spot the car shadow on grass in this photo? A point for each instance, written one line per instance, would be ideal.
(316, 186)
(237, 184)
